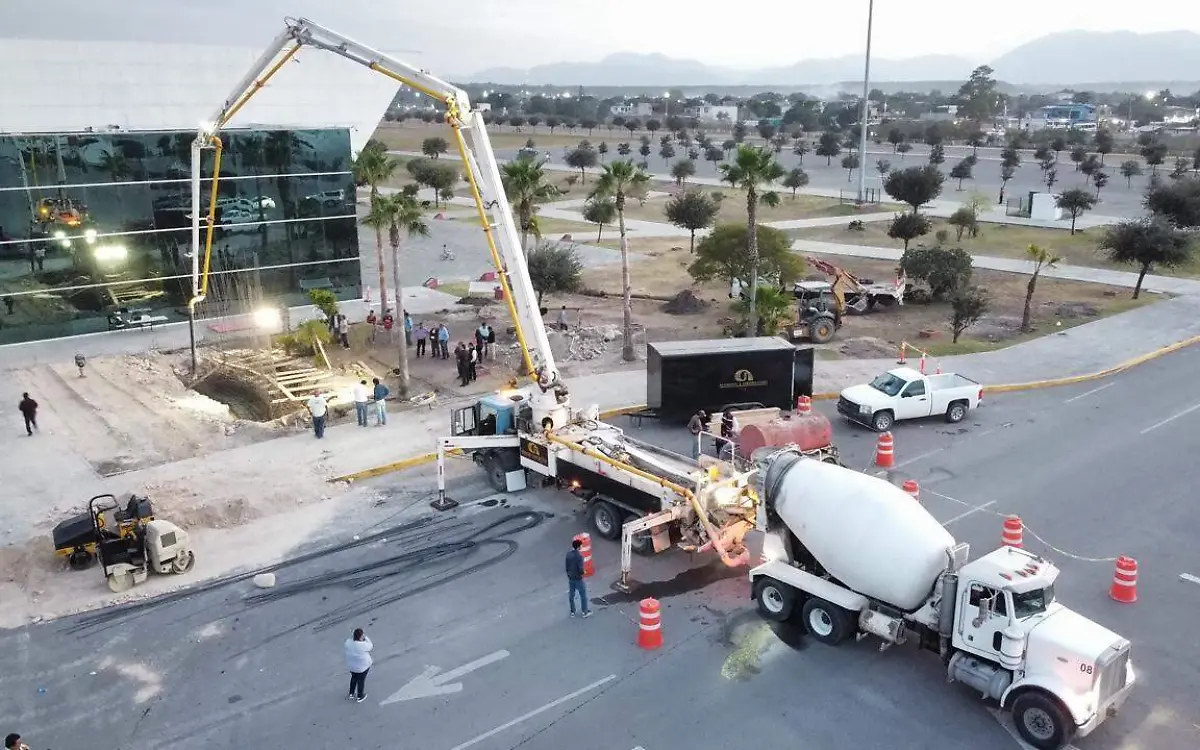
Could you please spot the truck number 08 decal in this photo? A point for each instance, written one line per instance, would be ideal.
(1086, 668)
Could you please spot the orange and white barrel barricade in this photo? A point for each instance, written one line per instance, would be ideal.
(913, 489)
(649, 625)
(903, 351)
(1013, 534)
(803, 405)
(589, 568)
(1124, 585)
(885, 451)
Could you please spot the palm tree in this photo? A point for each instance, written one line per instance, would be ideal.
(115, 164)
(621, 179)
(752, 170)
(526, 186)
(398, 214)
(373, 167)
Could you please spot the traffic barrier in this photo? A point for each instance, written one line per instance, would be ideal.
(650, 625)
(431, 283)
(803, 405)
(488, 276)
(1124, 585)
(589, 568)
(903, 351)
(1013, 534)
(913, 489)
(922, 363)
(885, 451)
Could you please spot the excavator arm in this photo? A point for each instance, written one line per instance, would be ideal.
(479, 162)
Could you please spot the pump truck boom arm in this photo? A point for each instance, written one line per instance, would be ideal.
(479, 161)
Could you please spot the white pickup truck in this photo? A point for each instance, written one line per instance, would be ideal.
(904, 393)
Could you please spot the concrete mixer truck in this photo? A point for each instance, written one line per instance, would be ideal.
(853, 555)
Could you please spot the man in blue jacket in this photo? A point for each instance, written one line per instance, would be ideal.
(380, 394)
(575, 579)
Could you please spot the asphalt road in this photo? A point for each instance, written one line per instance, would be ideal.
(1095, 470)
(1116, 198)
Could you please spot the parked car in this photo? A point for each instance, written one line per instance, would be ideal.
(904, 393)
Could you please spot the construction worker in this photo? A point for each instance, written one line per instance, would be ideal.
(575, 582)
(318, 407)
(697, 425)
(381, 392)
(361, 396)
(358, 660)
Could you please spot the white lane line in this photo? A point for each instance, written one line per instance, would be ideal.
(921, 457)
(970, 512)
(1170, 419)
(534, 712)
(1089, 393)
(1189, 578)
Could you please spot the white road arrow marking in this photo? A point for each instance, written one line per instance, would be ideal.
(433, 681)
(1189, 578)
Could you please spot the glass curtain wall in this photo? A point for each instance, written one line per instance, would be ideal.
(96, 227)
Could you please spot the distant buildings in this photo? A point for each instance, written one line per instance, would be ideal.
(713, 113)
(1063, 116)
(635, 109)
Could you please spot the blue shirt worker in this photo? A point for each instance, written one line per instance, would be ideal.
(380, 394)
(575, 582)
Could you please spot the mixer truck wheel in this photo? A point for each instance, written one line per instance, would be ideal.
(775, 600)
(1041, 721)
(825, 622)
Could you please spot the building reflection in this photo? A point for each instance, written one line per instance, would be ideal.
(93, 223)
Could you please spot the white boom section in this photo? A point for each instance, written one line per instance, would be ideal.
(550, 406)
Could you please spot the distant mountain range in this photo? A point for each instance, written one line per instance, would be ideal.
(1065, 58)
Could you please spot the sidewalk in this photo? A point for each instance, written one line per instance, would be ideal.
(1127, 279)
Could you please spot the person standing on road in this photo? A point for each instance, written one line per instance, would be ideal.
(422, 337)
(575, 579)
(381, 393)
(360, 402)
(318, 407)
(697, 425)
(460, 361)
(408, 329)
(472, 362)
(564, 322)
(344, 331)
(28, 409)
(358, 661)
(443, 334)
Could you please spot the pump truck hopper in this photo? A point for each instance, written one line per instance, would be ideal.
(128, 541)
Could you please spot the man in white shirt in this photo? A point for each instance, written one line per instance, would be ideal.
(318, 407)
(361, 396)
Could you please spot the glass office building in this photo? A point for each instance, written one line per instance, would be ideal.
(98, 224)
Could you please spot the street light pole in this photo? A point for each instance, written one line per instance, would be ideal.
(862, 146)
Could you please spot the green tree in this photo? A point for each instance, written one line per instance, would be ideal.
(399, 215)
(583, 157)
(1099, 179)
(373, 167)
(623, 149)
(829, 146)
(1177, 202)
(975, 139)
(434, 147)
(883, 166)
(943, 269)
(1182, 167)
(895, 137)
(1006, 174)
(713, 154)
(753, 170)
(653, 125)
(554, 268)
(693, 211)
(903, 149)
(552, 123)
(1146, 243)
(645, 150)
(1154, 154)
(964, 170)
(963, 219)
(1010, 157)
(667, 152)
(1041, 259)
(602, 149)
(1078, 154)
(1103, 142)
(967, 305)
(795, 179)
(526, 185)
(600, 211)
(800, 148)
(1075, 201)
(850, 162)
(774, 307)
(766, 131)
(915, 186)
(906, 227)
(979, 93)
(619, 181)
(937, 154)
(724, 254)
(682, 170)
(1130, 169)
(739, 131)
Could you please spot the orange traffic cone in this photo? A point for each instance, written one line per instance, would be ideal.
(1124, 585)
(885, 457)
(903, 350)
(803, 405)
(922, 364)
(650, 625)
(589, 569)
(912, 488)
(1013, 533)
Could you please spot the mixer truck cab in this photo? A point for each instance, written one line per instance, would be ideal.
(853, 555)
(904, 393)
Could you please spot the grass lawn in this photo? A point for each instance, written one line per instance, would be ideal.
(733, 206)
(998, 240)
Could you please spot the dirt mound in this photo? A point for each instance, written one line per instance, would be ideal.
(866, 347)
(685, 303)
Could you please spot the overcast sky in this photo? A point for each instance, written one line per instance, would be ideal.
(458, 38)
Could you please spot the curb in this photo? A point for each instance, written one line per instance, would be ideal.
(1032, 385)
